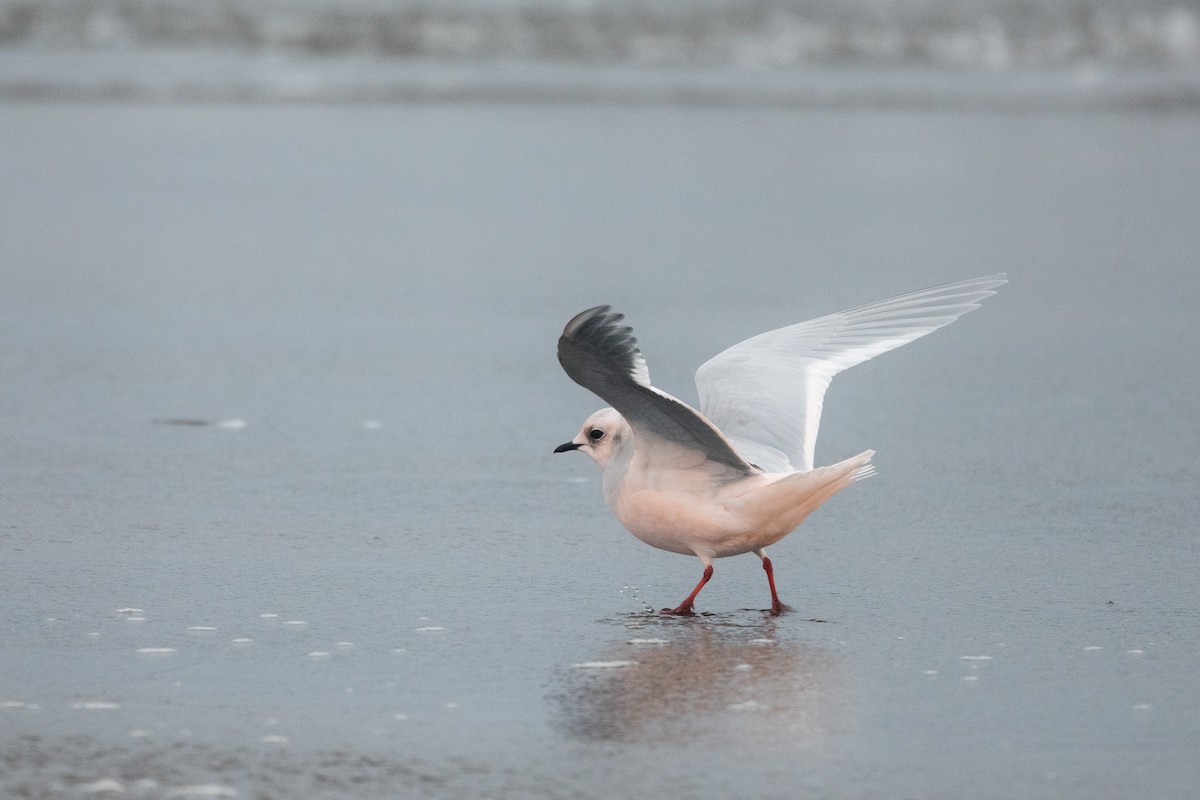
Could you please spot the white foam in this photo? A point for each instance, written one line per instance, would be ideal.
(1093, 647)
(974, 658)
(749, 705)
(14, 704)
(743, 667)
(431, 628)
(128, 611)
(1135, 652)
(970, 677)
(135, 619)
(243, 640)
(372, 424)
(234, 424)
(930, 672)
(274, 738)
(95, 705)
(203, 790)
(268, 616)
(158, 651)
(1142, 707)
(295, 622)
(648, 641)
(318, 654)
(345, 644)
(102, 785)
(451, 705)
(139, 733)
(400, 716)
(603, 664)
(201, 628)
(94, 633)
(760, 642)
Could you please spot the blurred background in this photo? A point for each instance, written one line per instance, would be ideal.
(1140, 52)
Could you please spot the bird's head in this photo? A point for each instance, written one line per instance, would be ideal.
(601, 437)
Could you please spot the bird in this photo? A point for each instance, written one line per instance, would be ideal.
(737, 475)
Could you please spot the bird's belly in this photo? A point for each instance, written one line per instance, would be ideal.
(681, 522)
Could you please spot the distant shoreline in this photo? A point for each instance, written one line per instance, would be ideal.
(198, 76)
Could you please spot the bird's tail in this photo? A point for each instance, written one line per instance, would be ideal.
(794, 497)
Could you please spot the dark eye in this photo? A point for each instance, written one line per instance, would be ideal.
(596, 434)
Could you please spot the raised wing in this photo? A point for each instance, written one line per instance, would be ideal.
(601, 355)
(766, 393)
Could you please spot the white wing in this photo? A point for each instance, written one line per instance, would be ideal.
(765, 394)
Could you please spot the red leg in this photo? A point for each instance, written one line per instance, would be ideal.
(684, 609)
(777, 607)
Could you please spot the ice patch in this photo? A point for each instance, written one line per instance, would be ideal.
(158, 651)
(95, 705)
(603, 664)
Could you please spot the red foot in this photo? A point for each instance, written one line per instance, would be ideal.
(681, 611)
(684, 609)
(777, 607)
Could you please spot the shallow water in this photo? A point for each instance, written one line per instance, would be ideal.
(279, 516)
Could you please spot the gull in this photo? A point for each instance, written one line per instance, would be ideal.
(736, 476)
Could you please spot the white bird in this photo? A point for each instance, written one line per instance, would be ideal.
(736, 476)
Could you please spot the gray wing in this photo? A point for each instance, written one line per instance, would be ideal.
(766, 393)
(601, 355)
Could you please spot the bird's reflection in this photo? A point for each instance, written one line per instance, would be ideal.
(705, 679)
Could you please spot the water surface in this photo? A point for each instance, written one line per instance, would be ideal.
(279, 516)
